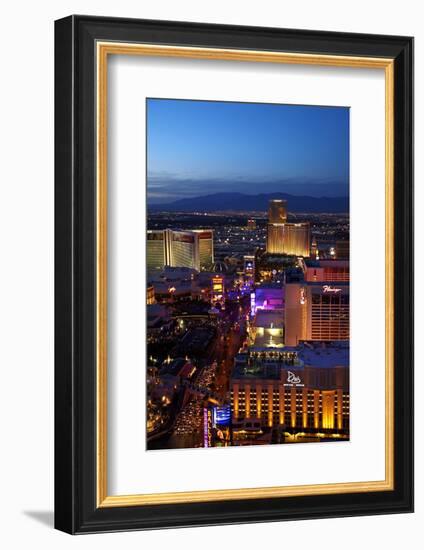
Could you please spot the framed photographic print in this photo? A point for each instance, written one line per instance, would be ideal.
(233, 272)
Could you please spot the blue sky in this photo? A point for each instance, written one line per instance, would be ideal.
(201, 147)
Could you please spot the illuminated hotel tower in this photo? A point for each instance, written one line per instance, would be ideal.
(306, 390)
(277, 211)
(283, 237)
(156, 249)
(316, 311)
(192, 249)
(184, 249)
(206, 255)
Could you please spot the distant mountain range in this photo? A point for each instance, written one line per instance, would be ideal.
(241, 202)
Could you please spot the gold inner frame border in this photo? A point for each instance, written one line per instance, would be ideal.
(103, 50)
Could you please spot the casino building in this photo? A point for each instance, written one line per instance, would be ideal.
(192, 249)
(206, 251)
(297, 394)
(317, 308)
(184, 250)
(283, 237)
(156, 249)
(311, 304)
(269, 295)
(316, 311)
(277, 211)
(326, 270)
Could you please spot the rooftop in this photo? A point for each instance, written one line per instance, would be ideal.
(324, 354)
(269, 318)
(266, 363)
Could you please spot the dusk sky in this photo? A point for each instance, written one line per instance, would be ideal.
(198, 148)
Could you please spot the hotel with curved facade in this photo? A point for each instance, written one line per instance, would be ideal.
(176, 248)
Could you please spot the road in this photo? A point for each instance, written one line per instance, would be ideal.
(231, 332)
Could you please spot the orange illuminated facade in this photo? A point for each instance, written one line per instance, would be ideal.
(316, 312)
(276, 404)
(297, 398)
(277, 211)
(286, 238)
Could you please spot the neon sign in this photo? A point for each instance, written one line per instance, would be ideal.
(331, 289)
(221, 415)
(206, 430)
(292, 378)
(252, 303)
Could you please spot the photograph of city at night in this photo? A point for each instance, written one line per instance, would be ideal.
(247, 270)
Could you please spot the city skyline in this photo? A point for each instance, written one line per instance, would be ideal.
(248, 279)
(198, 146)
(248, 329)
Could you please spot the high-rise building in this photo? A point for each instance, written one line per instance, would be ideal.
(283, 237)
(304, 390)
(329, 312)
(193, 249)
(277, 211)
(289, 238)
(251, 224)
(206, 251)
(326, 270)
(184, 249)
(156, 249)
(316, 311)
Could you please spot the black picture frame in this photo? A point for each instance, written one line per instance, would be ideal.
(76, 510)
